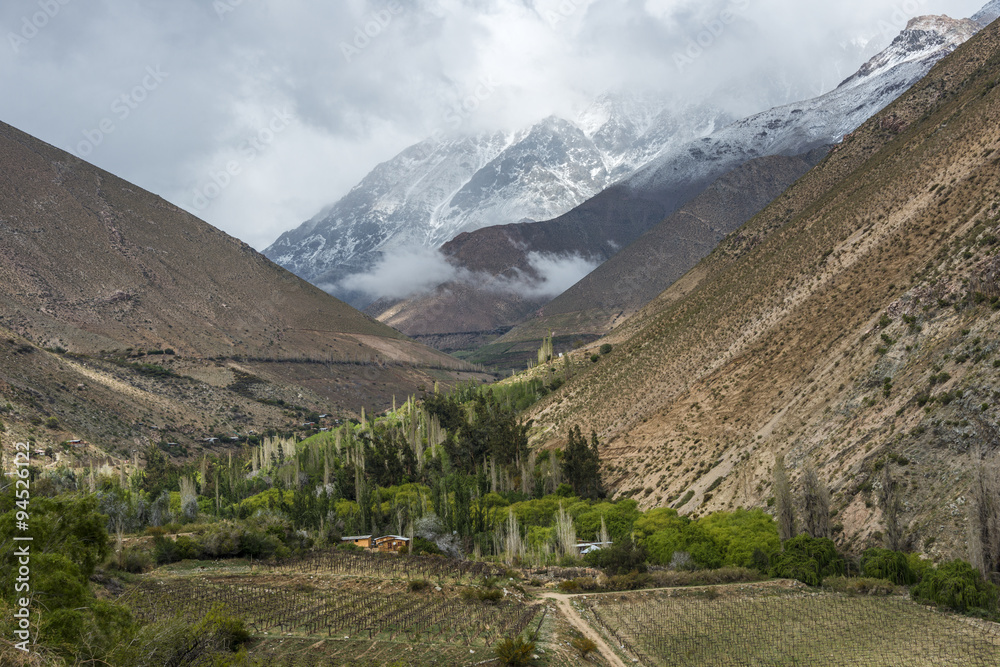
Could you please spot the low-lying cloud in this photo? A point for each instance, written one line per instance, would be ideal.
(401, 273)
(553, 275)
(410, 272)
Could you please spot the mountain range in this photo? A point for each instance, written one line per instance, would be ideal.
(441, 187)
(601, 227)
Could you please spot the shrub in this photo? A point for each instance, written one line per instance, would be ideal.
(725, 575)
(886, 564)
(52, 422)
(587, 583)
(514, 651)
(418, 585)
(859, 585)
(620, 558)
(583, 646)
(595, 358)
(627, 582)
(569, 586)
(956, 585)
(166, 550)
(490, 595)
(919, 566)
(424, 546)
(230, 632)
(807, 559)
(134, 559)
(606, 348)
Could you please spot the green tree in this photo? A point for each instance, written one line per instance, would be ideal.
(808, 559)
(956, 585)
(493, 431)
(582, 465)
(740, 534)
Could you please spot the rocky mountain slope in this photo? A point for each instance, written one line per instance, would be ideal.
(988, 14)
(600, 227)
(852, 324)
(123, 317)
(639, 272)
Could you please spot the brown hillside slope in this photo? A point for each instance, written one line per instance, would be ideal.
(851, 322)
(639, 272)
(99, 269)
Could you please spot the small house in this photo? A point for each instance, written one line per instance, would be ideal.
(388, 543)
(363, 541)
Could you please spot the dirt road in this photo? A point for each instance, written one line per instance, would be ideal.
(566, 609)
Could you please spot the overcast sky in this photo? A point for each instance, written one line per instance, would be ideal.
(254, 114)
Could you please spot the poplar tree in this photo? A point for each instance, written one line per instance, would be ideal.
(784, 513)
(815, 503)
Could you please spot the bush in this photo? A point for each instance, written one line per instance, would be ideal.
(134, 559)
(627, 582)
(583, 646)
(595, 358)
(166, 550)
(514, 651)
(490, 595)
(807, 559)
(886, 564)
(425, 546)
(620, 558)
(569, 586)
(959, 586)
(418, 585)
(725, 575)
(919, 566)
(606, 348)
(859, 585)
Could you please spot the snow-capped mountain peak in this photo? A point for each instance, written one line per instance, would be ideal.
(923, 37)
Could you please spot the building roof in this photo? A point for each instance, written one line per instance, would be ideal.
(355, 537)
(395, 537)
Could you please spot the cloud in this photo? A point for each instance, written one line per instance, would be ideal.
(402, 273)
(231, 64)
(399, 274)
(550, 275)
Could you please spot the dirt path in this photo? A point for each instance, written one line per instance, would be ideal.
(563, 604)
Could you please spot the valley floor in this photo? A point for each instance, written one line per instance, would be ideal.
(357, 610)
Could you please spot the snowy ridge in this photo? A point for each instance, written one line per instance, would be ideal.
(431, 192)
(987, 14)
(796, 128)
(924, 37)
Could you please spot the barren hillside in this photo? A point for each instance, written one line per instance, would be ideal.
(99, 279)
(854, 323)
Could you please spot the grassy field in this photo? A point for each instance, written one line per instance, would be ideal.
(750, 626)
